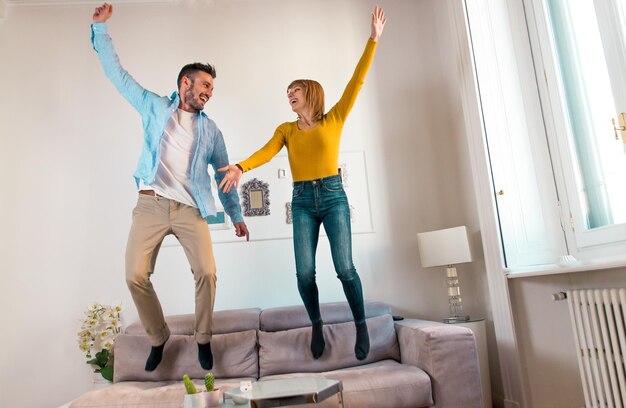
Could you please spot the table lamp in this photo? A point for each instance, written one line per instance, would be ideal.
(447, 247)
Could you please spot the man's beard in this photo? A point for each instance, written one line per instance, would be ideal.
(192, 101)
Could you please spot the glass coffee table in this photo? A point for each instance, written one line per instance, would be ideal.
(290, 391)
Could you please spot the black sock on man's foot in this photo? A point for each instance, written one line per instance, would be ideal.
(317, 339)
(205, 356)
(154, 359)
(362, 346)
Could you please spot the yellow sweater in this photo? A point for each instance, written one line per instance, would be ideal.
(314, 153)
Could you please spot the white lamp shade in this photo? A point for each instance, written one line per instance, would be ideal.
(444, 247)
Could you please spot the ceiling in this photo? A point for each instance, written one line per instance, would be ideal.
(18, 3)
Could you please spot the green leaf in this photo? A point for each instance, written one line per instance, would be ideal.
(102, 357)
(107, 372)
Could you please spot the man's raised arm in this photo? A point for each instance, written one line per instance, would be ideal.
(102, 13)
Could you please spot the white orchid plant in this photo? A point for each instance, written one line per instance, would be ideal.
(97, 335)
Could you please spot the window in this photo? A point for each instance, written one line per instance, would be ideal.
(548, 73)
(587, 42)
(523, 183)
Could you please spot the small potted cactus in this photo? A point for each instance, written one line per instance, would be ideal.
(193, 399)
(212, 393)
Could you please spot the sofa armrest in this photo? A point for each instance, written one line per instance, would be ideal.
(447, 353)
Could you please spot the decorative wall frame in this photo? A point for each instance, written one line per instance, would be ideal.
(288, 214)
(255, 195)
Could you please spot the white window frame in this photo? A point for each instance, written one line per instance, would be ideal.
(523, 181)
(502, 314)
(518, 49)
(599, 245)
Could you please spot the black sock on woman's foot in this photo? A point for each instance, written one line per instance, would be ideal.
(154, 359)
(205, 356)
(362, 346)
(317, 339)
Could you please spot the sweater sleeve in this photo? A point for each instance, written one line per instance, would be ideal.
(267, 152)
(345, 104)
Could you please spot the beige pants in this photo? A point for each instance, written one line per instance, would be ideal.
(153, 219)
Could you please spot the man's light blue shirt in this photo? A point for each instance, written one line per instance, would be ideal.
(155, 112)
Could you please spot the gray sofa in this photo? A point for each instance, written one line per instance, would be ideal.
(412, 363)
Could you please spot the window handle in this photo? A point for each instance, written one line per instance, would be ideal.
(622, 125)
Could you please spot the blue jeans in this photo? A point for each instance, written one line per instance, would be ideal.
(316, 202)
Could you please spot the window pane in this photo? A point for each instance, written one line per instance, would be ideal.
(590, 104)
(522, 177)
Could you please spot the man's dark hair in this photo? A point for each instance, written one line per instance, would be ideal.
(190, 69)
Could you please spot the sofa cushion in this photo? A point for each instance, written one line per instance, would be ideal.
(224, 321)
(234, 355)
(293, 317)
(289, 351)
(384, 384)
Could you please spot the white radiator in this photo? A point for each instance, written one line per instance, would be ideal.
(599, 320)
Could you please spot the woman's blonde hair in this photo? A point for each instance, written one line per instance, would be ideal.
(314, 95)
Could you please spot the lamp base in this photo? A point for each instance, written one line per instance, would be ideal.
(456, 319)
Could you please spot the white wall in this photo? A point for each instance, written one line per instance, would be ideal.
(70, 144)
(545, 334)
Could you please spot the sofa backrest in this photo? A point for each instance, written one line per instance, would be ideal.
(285, 338)
(234, 348)
(224, 321)
(293, 317)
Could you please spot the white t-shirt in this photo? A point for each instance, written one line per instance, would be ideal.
(177, 147)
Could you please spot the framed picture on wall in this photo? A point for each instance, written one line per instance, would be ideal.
(255, 195)
(219, 221)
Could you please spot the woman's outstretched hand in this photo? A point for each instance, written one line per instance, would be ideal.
(378, 23)
(231, 178)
